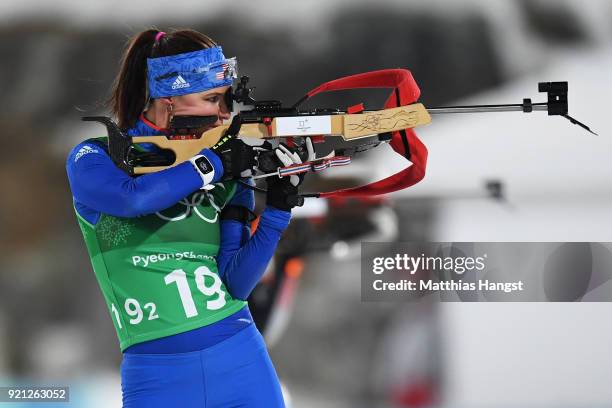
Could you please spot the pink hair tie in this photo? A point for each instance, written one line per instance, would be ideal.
(159, 36)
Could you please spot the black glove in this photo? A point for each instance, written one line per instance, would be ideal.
(283, 192)
(236, 156)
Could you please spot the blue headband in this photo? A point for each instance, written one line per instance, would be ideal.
(189, 72)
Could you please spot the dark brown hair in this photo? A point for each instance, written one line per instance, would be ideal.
(130, 93)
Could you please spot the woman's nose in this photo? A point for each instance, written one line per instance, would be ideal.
(224, 113)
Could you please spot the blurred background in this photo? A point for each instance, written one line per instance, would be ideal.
(491, 177)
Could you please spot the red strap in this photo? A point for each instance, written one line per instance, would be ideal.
(355, 108)
(317, 139)
(404, 142)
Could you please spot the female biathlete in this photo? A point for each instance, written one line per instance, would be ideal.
(172, 250)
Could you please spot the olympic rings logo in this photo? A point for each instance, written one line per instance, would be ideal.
(191, 206)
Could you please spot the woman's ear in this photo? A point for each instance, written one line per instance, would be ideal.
(167, 103)
(162, 112)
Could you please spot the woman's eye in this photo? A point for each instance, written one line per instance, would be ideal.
(213, 99)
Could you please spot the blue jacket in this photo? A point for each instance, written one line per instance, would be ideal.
(99, 186)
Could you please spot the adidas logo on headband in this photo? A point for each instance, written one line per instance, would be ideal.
(179, 82)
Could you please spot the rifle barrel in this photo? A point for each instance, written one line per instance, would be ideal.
(487, 108)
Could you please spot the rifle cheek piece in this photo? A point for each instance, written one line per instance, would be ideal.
(188, 125)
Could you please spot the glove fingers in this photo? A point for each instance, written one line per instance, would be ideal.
(310, 149)
(288, 158)
(293, 155)
(283, 157)
(284, 148)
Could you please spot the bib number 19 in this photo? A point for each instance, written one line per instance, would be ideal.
(179, 277)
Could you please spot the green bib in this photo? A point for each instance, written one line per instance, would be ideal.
(158, 273)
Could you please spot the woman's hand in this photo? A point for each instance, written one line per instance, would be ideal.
(283, 192)
(237, 157)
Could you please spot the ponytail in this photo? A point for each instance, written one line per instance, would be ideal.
(130, 92)
(129, 95)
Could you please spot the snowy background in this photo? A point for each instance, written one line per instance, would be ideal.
(59, 58)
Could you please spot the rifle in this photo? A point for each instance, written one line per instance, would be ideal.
(355, 128)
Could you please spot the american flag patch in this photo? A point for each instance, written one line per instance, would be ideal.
(221, 75)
